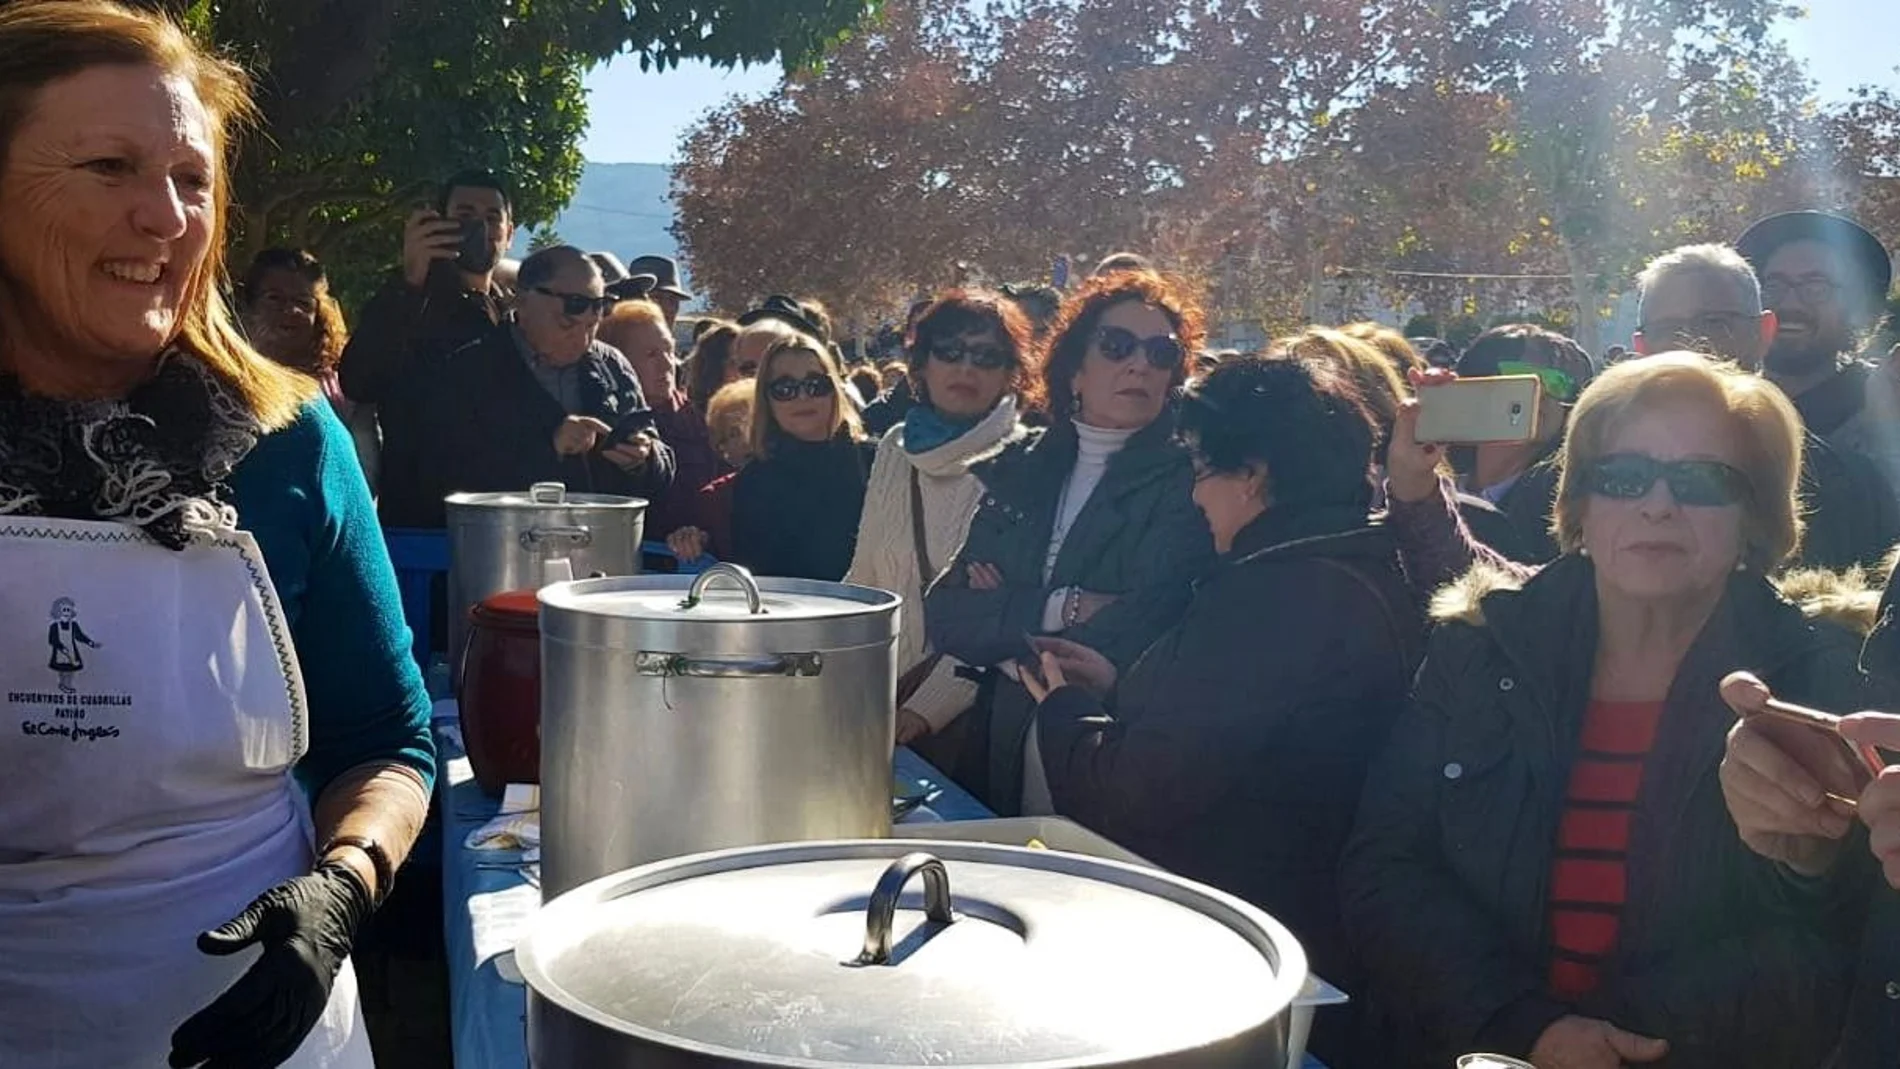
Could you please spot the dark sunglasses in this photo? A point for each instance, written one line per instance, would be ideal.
(1699, 483)
(1119, 343)
(787, 388)
(579, 304)
(981, 357)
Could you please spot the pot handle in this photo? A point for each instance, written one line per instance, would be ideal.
(730, 571)
(549, 493)
(678, 664)
(534, 539)
(881, 915)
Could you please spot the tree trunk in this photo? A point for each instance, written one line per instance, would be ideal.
(1583, 292)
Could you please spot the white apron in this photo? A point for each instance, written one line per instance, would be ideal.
(150, 798)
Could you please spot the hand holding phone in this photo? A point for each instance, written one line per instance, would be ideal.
(427, 239)
(635, 422)
(1480, 411)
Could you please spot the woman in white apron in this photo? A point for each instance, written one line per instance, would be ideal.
(225, 757)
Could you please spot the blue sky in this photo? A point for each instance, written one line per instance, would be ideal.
(638, 117)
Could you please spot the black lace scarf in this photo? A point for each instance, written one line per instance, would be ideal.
(157, 460)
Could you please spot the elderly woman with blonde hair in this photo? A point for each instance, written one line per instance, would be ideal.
(1543, 865)
(196, 827)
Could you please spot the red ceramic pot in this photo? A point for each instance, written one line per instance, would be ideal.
(501, 691)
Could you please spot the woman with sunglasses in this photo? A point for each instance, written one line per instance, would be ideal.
(542, 399)
(972, 367)
(1088, 530)
(1235, 749)
(795, 507)
(1543, 865)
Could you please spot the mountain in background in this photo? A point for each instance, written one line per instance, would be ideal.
(622, 208)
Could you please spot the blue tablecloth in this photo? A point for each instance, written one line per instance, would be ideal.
(488, 1011)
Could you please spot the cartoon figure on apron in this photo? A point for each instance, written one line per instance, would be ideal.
(66, 636)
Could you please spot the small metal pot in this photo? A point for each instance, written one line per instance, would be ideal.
(816, 955)
(524, 541)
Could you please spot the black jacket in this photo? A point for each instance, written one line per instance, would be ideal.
(1239, 742)
(1140, 536)
(888, 411)
(491, 425)
(1851, 516)
(795, 513)
(398, 359)
(1446, 878)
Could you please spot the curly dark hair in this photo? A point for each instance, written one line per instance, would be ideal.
(959, 312)
(1301, 417)
(706, 364)
(1082, 313)
(332, 334)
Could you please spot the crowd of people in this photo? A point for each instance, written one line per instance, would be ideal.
(1456, 714)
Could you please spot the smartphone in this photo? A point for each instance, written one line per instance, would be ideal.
(1866, 760)
(1473, 411)
(640, 419)
(474, 255)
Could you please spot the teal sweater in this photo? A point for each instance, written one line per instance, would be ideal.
(301, 493)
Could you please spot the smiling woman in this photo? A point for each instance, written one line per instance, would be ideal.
(167, 479)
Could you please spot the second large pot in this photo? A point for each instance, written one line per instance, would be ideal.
(687, 714)
(523, 541)
(903, 956)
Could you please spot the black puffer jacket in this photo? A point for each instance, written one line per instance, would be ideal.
(1238, 744)
(1446, 879)
(1140, 536)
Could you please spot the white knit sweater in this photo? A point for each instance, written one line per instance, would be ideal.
(886, 556)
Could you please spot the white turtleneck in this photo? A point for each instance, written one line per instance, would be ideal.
(1095, 446)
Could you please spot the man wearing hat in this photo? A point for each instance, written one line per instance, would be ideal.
(1825, 278)
(620, 282)
(666, 291)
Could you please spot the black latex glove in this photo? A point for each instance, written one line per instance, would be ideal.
(306, 927)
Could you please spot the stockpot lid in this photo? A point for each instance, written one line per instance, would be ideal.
(548, 497)
(892, 953)
(723, 609)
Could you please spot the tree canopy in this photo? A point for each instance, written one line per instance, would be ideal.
(1408, 148)
(366, 104)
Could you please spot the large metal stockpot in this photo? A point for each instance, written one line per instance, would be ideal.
(687, 714)
(816, 955)
(523, 541)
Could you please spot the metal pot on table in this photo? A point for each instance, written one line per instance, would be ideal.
(523, 541)
(682, 714)
(906, 954)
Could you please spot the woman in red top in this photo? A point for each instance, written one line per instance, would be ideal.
(1543, 865)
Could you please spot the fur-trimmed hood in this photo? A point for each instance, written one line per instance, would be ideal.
(1849, 599)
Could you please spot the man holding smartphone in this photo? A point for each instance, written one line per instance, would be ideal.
(444, 298)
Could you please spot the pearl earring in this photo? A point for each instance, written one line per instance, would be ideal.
(1583, 551)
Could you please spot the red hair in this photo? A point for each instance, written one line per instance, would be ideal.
(1082, 313)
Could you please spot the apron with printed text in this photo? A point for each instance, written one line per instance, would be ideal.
(151, 708)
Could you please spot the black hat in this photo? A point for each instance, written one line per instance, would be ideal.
(665, 272)
(1760, 242)
(788, 311)
(619, 281)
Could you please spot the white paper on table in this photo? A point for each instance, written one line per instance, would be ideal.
(500, 919)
